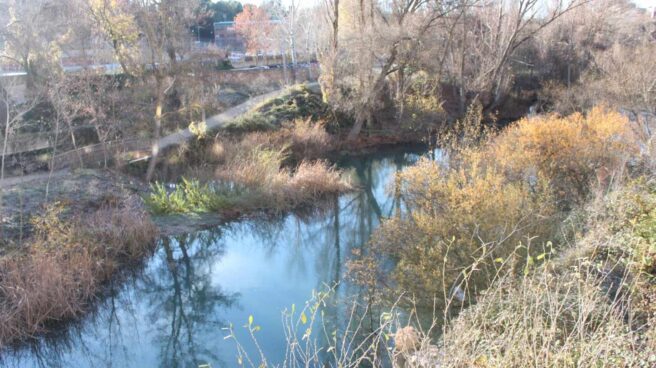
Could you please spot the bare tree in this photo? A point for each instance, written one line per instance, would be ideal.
(491, 35)
(384, 35)
(14, 108)
(34, 32)
(328, 54)
(149, 37)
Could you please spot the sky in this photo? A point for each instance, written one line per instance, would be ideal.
(645, 3)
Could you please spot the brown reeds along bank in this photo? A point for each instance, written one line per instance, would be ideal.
(55, 274)
(534, 247)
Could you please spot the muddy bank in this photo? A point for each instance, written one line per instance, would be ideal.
(80, 191)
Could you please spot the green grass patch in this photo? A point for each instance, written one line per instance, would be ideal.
(252, 122)
(190, 196)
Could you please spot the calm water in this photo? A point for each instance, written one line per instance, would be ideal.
(172, 313)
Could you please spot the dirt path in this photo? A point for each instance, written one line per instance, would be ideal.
(171, 140)
(218, 121)
(16, 180)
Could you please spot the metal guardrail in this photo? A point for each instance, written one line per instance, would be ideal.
(28, 142)
(97, 154)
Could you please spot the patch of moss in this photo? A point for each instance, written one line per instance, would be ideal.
(299, 103)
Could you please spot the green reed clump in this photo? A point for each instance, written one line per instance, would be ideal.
(187, 197)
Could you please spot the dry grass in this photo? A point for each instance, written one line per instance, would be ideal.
(299, 139)
(56, 273)
(485, 220)
(592, 306)
(308, 139)
(259, 169)
(474, 242)
(543, 320)
(273, 170)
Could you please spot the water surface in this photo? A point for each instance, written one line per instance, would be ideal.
(173, 313)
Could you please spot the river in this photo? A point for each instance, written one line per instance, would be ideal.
(173, 312)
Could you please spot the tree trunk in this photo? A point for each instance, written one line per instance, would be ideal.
(366, 112)
(327, 79)
(157, 131)
(284, 68)
(4, 148)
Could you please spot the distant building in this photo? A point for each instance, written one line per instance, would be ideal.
(226, 37)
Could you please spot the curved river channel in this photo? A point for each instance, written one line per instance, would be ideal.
(173, 312)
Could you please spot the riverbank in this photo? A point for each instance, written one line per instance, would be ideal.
(540, 240)
(202, 180)
(82, 195)
(53, 273)
(532, 246)
(197, 282)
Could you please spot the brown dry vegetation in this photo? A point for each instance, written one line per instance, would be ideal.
(592, 305)
(260, 170)
(546, 218)
(271, 171)
(489, 199)
(55, 274)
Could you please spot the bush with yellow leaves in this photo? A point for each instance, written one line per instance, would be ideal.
(574, 153)
(472, 212)
(490, 200)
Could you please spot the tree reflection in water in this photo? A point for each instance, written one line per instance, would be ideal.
(171, 314)
(184, 305)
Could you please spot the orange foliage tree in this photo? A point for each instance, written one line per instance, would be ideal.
(256, 27)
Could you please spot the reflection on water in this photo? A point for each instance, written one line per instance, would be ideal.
(172, 314)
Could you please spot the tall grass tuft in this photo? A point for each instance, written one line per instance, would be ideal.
(58, 271)
(260, 171)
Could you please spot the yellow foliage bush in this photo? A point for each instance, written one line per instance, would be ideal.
(573, 152)
(509, 190)
(472, 212)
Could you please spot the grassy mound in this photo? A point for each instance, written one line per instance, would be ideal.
(300, 103)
